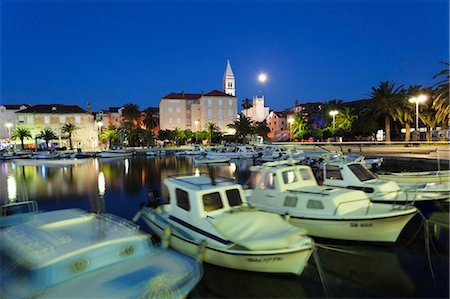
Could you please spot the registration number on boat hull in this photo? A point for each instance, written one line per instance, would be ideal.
(355, 224)
(264, 259)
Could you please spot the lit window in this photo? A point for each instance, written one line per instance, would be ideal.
(47, 119)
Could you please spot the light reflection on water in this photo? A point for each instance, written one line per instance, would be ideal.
(119, 186)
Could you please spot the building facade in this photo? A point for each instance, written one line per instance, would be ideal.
(278, 125)
(40, 117)
(8, 122)
(194, 111)
(258, 112)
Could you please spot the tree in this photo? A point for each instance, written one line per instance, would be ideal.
(211, 127)
(441, 97)
(386, 99)
(151, 120)
(247, 103)
(405, 111)
(298, 127)
(261, 128)
(48, 135)
(110, 135)
(428, 117)
(21, 134)
(70, 130)
(345, 119)
(131, 113)
(243, 127)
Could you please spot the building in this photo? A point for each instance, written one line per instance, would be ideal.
(258, 112)
(8, 122)
(194, 111)
(110, 117)
(40, 117)
(278, 125)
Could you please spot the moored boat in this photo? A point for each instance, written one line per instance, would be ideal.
(206, 160)
(326, 212)
(114, 153)
(84, 255)
(210, 217)
(442, 176)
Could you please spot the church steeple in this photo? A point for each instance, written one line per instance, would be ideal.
(228, 82)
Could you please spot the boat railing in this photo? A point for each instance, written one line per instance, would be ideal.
(29, 206)
(308, 192)
(396, 204)
(369, 204)
(121, 221)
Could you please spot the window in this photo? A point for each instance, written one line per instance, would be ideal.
(62, 119)
(290, 201)
(21, 119)
(361, 172)
(170, 110)
(30, 119)
(47, 119)
(209, 102)
(254, 179)
(306, 175)
(314, 204)
(182, 199)
(178, 110)
(220, 102)
(230, 102)
(333, 172)
(212, 202)
(170, 120)
(174, 101)
(230, 113)
(210, 114)
(289, 177)
(77, 119)
(268, 182)
(220, 113)
(234, 197)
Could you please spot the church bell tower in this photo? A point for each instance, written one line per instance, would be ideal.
(228, 82)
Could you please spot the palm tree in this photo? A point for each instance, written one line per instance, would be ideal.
(405, 112)
(131, 113)
(298, 127)
(69, 129)
(48, 135)
(345, 119)
(110, 135)
(261, 128)
(211, 127)
(386, 100)
(21, 134)
(428, 117)
(246, 103)
(441, 97)
(151, 120)
(243, 127)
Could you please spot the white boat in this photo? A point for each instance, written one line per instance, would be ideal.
(13, 213)
(14, 155)
(238, 152)
(83, 255)
(442, 176)
(206, 160)
(275, 154)
(114, 153)
(46, 155)
(353, 175)
(155, 153)
(211, 217)
(196, 150)
(369, 163)
(326, 212)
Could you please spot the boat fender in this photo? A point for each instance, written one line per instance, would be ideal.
(165, 241)
(287, 217)
(201, 251)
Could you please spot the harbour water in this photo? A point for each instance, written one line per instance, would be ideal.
(417, 266)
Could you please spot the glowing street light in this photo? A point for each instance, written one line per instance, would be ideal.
(196, 130)
(290, 121)
(262, 77)
(418, 100)
(334, 113)
(9, 125)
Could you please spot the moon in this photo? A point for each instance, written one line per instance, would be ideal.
(262, 77)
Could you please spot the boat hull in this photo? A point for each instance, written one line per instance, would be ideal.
(383, 230)
(290, 260)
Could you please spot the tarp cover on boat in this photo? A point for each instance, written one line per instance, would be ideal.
(257, 230)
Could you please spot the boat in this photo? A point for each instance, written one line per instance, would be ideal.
(210, 216)
(13, 213)
(353, 175)
(238, 152)
(442, 176)
(196, 150)
(155, 153)
(369, 163)
(326, 212)
(206, 160)
(114, 153)
(74, 253)
(14, 155)
(46, 155)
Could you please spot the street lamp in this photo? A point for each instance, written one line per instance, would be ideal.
(334, 113)
(99, 124)
(417, 100)
(196, 130)
(290, 121)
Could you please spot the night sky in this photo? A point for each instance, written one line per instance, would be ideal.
(111, 53)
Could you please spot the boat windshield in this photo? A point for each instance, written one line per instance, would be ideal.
(361, 172)
(212, 202)
(254, 180)
(234, 197)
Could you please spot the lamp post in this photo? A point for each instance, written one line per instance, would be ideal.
(334, 113)
(99, 125)
(290, 121)
(417, 100)
(196, 130)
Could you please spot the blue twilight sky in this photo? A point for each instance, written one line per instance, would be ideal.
(111, 53)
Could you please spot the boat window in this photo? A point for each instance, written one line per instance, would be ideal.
(333, 172)
(254, 179)
(290, 201)
(306, 175)
(314, 204)
(183, 199)
(234, 197)
(268, 182)
(212, 202)
(361, 172)
(289, 177)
